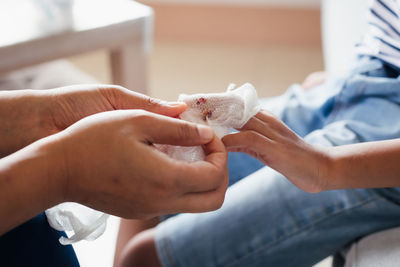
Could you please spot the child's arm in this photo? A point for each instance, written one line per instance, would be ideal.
(313, 168)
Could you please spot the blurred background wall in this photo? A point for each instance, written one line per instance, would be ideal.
(203, 45)
(343, 24)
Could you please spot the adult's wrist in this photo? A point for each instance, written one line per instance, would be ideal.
(30, 182)
(21, 113)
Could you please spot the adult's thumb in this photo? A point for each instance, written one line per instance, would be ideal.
(133, 100)
(164, 130)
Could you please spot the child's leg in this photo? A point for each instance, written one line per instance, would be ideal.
(240, 165)
(307, 110)
(304, 110)
(266, 221)
(140, 251)
(128, 229)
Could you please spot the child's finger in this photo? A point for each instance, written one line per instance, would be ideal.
(275, 125)
(270, 119)
(257, 125)
(247, 139)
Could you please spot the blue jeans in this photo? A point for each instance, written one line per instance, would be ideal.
(267, 221)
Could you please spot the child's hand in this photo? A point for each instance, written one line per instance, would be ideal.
(268, 139)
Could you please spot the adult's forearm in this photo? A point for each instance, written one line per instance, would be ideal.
(29, 184)
(21, 122)
(366, 165)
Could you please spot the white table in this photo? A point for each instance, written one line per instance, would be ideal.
(32, 33)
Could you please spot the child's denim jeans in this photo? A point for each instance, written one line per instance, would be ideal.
(265, 220)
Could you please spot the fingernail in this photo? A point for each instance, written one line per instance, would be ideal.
(206, 133)
(176, 104)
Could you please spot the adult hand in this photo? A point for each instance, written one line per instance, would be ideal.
(268, 139)
(29, 115)
(109, 163)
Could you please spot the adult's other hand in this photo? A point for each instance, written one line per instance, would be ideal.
(28, 115)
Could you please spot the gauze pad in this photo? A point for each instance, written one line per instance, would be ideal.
(80, 222)
(220, 111)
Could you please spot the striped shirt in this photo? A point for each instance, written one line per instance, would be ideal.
(383, 37)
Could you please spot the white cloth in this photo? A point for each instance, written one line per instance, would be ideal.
(80, 222)
(220, 111)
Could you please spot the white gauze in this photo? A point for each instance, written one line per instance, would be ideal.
(78, 221)
(220, 111)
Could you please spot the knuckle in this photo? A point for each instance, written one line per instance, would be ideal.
(224, 177)
(250, 136)
(316, 186)
(270, 117)
(267, 113)
(187, 131)
(313, 188)
(219, 201)
(111, 93)
(115, 91)
(141, 115)
(151, 102)
(216, 203)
